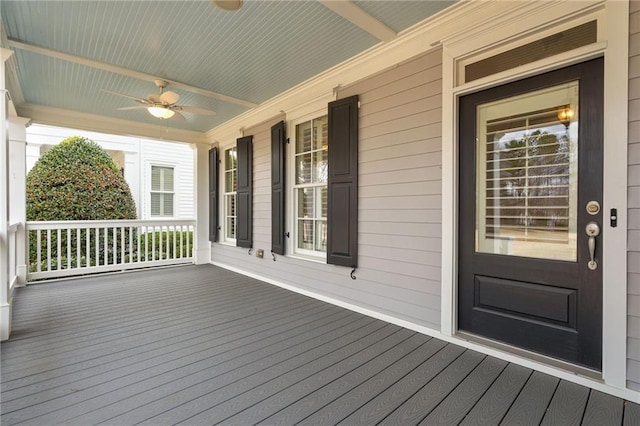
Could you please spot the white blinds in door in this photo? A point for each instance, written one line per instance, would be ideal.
(527, 164)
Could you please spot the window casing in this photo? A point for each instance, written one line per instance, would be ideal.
(162, 193)
(229, 193)
(310, 187)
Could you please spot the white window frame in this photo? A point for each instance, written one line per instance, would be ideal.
(225, 239)
(292, 190)
(162, 192)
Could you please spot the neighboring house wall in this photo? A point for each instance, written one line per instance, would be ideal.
(399, 201)
(135, 156)
(633, 302)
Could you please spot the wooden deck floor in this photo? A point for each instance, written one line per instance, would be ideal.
(202, 345)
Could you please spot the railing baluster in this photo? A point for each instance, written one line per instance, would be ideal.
(146, 243)
(87, 235)
(48, 249)
(106, 245)
(78, 248)
(181, 241)
(175, 251)
(139, 234)
(188, 246)
(153, 243)
(39, 250)
(114, 250)
(68, 248)
(97, 250)
(168, 243)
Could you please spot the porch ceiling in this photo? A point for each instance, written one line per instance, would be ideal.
(67, 51)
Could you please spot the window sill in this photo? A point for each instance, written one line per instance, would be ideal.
(314, 259)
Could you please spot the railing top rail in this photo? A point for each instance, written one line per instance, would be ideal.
(82, 224)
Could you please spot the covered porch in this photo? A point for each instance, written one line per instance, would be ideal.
(204, 345)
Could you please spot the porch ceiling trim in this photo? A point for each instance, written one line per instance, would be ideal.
(18, 44)
(99, 123)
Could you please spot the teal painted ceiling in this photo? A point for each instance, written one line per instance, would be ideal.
(251, 54)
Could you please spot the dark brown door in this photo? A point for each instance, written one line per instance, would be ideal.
(530, 217)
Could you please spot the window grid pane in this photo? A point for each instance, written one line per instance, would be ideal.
(310, 193)
(230, 188)
(161, 200)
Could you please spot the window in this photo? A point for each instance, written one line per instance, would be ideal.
(162, 191)
(310, 186)
(230, 188)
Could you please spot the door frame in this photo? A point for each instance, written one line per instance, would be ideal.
(612, 44)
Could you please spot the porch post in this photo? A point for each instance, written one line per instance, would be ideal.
(202, 246)
(18, 189)
(5, 301)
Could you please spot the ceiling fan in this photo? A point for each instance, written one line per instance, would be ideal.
(163, 104)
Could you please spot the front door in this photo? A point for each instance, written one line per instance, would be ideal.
(530, 176)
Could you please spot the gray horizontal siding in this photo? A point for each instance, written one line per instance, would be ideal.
(633, 282)
(400, 201)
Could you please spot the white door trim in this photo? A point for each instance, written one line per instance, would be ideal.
(613, 45)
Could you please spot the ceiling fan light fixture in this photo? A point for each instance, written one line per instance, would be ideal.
(228, 4)
(159, 112)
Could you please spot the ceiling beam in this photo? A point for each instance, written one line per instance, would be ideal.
(18, 44)
(351, 12)
(99, 123)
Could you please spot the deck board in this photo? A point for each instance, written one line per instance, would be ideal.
(567, 406)
(204, 345)
(603, 409)
(494, 404)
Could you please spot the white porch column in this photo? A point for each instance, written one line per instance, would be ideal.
(132, 174)
(202, 246)
(18, 189)
(5, 296)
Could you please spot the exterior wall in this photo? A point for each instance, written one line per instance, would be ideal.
(136, 156)
(633, 282)
(399, 201)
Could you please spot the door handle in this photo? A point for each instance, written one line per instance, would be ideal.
(593, 230)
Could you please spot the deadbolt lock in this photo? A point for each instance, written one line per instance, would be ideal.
(593, 208)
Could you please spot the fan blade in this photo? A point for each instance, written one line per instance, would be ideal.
(154, 98)
(142, 101)
(195, 110)
(132, 107)
(169, 97)
(177, 115)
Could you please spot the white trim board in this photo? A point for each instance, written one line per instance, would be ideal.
(98, 123)
(562, 374)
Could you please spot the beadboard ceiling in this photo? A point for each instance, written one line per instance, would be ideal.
(227, 61)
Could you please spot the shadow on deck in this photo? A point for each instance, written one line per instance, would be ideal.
(203, 345)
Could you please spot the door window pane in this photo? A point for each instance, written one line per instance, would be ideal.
(527, 174)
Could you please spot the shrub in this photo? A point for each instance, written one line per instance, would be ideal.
(77, 180)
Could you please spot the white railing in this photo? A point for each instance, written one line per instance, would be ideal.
(67, 248)
(12, 245)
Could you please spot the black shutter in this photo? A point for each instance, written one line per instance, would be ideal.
(278, 150)
(342, 215)
(213, 194)
(244, 193)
